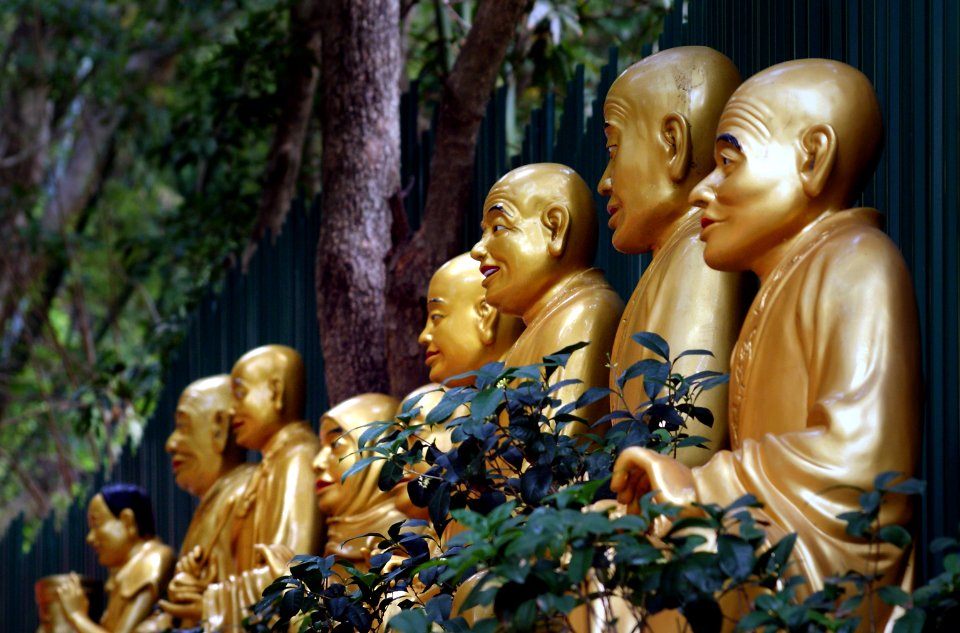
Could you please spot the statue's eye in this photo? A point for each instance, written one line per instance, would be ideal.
(436, 318)
(496, 228)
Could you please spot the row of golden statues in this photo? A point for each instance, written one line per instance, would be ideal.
(713, 177)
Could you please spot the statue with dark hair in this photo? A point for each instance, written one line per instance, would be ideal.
(121, 496)
(122, 533)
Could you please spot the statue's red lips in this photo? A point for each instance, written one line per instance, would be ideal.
(322, 485)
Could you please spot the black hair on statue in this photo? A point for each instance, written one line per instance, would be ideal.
(121, 496)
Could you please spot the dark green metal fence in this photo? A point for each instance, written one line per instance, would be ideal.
(911, 52)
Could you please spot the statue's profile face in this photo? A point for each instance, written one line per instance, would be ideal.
(451, 336)
(337, 453)
(636, 179)
(513, 249)
(753, 201)
(109, 536)
(257, 402)
(194, 456)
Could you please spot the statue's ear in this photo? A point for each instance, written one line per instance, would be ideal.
(129, 521)
(276, 393)
(220, 427)
(488, 316)
(675, 134)
(818, 154)
(556, 219)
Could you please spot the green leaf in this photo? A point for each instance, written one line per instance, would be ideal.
(896, 534)
(447, 405)
(359, 465)
(639, 368)
(654, 343)
(695, 352)
(410, 621)
(910, 622)
(736, 556)
(893, 595)
(880, 481)
(485, 404)
(908, 487)
(754, 620)
(580, 562)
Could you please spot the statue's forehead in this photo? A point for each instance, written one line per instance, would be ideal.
(253, 369)
(455, 286)
(512, 195)
(750, 114)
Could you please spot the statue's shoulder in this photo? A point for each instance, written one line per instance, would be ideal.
(150, 567)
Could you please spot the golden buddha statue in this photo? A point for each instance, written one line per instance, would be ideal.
(277, 509)
(462, 333)
(539, 239)
(355, 505)
(659, 118)
(122, 534)
(208, 464)
(825, 391)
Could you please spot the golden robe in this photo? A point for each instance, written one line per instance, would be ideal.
(278, 507)
(691, 306)
(825, 394)
(212, 522)
(147, 570)
(586, 308)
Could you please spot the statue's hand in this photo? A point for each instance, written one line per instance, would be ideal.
(72, 598)
(192, 563)
(192, 610)
(184, 587)
(276, 557)
(639, 470)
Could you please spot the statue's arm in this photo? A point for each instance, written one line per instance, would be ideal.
(298, 519)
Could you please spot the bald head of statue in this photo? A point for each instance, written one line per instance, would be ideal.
(660, 118)
(463, 332)
(268, 386)
(539, 227)
(202, 447)
(796, 141)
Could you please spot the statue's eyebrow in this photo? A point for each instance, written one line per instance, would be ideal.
(731, 140)
(436, 300)
(499, 208)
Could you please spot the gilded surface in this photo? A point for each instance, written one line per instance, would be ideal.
(139, 564)
(355, 505)
(539, 239)
(659, 121)
(825, 390)
(277, 507)
(463, 332)
(50, 612)
(207, 463)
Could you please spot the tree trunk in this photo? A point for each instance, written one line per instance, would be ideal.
(413, 262)
(361, 165)
(286, 152)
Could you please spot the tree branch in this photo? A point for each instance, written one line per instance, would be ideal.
(286, 152)
(465, 96)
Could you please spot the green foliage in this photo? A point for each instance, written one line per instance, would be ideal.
(556, 36)
(528, 533)
(175, 204)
